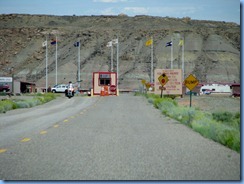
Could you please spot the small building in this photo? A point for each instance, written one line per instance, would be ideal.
(18, 86)
(235, 90)
(105, 83)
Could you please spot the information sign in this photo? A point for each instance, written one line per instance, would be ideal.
(174, 84)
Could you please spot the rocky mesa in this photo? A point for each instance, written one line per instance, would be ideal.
(211, 48)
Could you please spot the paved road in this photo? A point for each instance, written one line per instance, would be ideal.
(107, 138)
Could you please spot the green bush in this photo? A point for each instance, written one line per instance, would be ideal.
(7, 105)
(38, 99)
(228, 118)
(22, 104)
(222, 116)
(222, 127)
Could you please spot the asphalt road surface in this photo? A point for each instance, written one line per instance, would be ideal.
(107, 138)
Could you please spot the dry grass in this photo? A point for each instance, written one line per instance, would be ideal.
(212, 103)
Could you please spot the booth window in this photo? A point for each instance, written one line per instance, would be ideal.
(104, 79)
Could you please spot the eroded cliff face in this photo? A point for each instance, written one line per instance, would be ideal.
(211, 49)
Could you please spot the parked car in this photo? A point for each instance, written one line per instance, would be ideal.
(207, 92)
(4, 88)
(59, 88)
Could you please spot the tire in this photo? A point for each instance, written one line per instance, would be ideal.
(54, 91)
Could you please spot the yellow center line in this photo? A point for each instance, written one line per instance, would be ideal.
(3, 150)
(55, 126)
(43, 132)
(66, 120)
(25, 140)
(72, 117)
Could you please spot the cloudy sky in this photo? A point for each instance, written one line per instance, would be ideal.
(219, 10)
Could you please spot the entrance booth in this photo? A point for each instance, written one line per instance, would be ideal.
(105, 83)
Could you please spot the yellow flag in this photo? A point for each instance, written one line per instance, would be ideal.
(181, 42)
(149, 42)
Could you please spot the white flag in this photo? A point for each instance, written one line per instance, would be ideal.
(44, 44)
(109, 44)
(115, 41)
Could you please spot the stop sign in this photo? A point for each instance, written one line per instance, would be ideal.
(112, 88)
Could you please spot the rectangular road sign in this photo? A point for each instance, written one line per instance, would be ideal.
(173, 86)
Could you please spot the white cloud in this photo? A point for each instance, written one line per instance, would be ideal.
(109, 11)
(135, 10)
(109, 1)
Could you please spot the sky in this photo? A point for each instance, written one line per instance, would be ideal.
(217, 10)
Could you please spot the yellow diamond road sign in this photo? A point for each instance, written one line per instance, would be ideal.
(191, 82)
(163, 79)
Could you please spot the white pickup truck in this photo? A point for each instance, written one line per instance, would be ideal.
(59, 88)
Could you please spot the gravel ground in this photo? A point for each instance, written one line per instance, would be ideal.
(117, 138)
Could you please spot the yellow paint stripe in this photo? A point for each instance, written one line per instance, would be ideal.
(3, 150)
(25, 140)
(72, 117)
(55, 126)
(43, 132)
(66, 120)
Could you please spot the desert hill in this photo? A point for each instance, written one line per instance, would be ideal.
(211, 50)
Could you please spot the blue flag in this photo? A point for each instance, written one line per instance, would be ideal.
(169, 44)
(76, 44)
(53, 42)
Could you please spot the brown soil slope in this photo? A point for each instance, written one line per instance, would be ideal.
(212, 49)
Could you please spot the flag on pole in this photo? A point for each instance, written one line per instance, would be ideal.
(169, 44)
(53, 42)
(76, 44)
(149, 42)
(181, 42)
(109, 44)
(115, 41)
(44, 44)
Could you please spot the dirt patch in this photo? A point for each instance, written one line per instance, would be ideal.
(212, 103)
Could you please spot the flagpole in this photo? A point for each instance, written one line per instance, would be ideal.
(172, 53)
(56, 60)
(46, 65)
(183, 62)
(79, 64)
(152, 60)
(112, 67)
(117, 62)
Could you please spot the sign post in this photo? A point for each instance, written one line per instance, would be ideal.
(191, 82)
(163, 79)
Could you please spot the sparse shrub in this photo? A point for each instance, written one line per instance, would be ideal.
(222, 127)
(7, 105)
(39, 99)
(228, 118)
(22, 104)
(2, 109)
(150, 100)
(222, 116)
